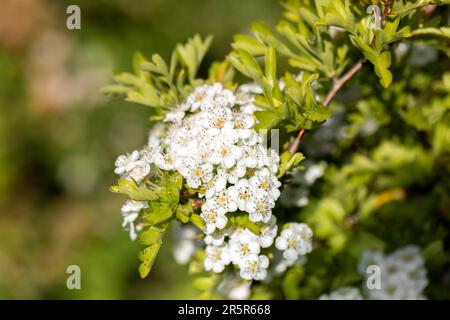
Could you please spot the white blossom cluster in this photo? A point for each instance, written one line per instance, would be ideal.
(403, 274)
(210, 141)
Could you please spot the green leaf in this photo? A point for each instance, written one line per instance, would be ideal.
(151, 236)
(148, 256)
(158, 212)
(252, 46)
(197, 221)
(132, 190)
(289, 161)
(184, 211)
(246, 64)
(267, 119)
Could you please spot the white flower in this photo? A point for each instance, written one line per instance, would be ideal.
(222, 202)
(131, 166)
(174, 116)
(224, 99)
(216, 258)
(216, 120)
(260, 207)
(242, 124)
(196, 174)
(344, 293)
(165, 161)
(403, 275)
(240, 292)
(243, 244)
(184, 246)
(272, 160)
(268, 232)
(266, 181)
(314, 172)
(212, 218)
(225, 153)
(295, 240)
(254, 267)
(253, 156)
(217, 183)
(242, 192)
(130, 213)
(236, 173)
(370, 258)
(201, 98)
(217, 238)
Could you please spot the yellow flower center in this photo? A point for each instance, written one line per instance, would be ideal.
(264, 184)
(198, 173)
(222, 200)
(244, 195)
(245, 249)
(292, 243)
(224, 152)
(218, 123)
(261, 207)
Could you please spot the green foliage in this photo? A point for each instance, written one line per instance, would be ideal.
(160, 85)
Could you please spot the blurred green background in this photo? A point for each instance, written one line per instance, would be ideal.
(59, 138)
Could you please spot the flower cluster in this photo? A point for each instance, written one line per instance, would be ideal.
(210, 140)
(403, 274)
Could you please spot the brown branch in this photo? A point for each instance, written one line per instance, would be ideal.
(337, 85)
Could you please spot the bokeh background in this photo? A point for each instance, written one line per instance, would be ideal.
(59, 138)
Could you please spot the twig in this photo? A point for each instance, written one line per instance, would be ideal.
(337, 85)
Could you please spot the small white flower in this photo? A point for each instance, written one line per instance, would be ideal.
(254, 267)
(260, 207)
(242, 124)
(295, 240)
(252, 157)
(403, 275)
(174, 116)
(212, 218)
(225, 154)
(236, 173)
(266, 181)
(241, 291)
(217, 183)
(272, 161)
(217, 238)
(242, 192)
(185, 245)
(268, 232)
(222, 202)
(216, 258)
(196, 174)
(165, 161)
(130, 213)
(243, 245)
(201, 98)
(131, 166)
(216, 120)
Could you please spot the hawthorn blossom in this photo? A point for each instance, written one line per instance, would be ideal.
(216, 258)
(294, 241)
(132, 166)
(130, 213)
(212, 218)
(243, 245)
(254, 267)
